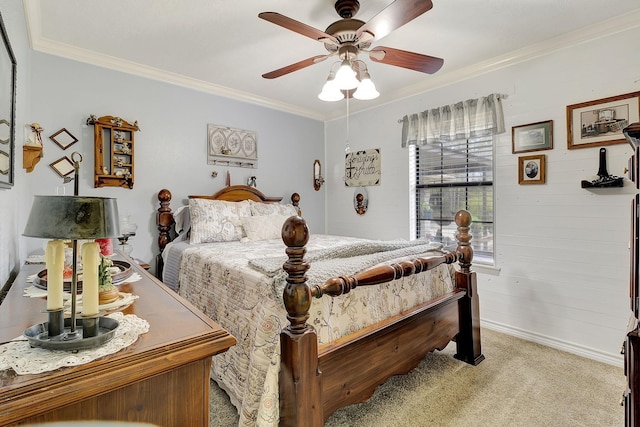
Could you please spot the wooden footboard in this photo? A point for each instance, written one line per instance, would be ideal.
(314, 383)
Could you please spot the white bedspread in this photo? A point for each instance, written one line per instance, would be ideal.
(218, 279)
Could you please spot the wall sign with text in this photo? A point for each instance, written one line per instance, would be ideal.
(362, 168)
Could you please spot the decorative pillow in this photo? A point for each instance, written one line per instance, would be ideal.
(288, 210)
(262, 209)
(263, 227)
(182, 219)
(216, 220)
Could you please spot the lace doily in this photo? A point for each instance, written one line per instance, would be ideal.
(24, 359)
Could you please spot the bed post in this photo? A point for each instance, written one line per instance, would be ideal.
(295, 201)
(300, 378)
(468, 348)
(164, 221)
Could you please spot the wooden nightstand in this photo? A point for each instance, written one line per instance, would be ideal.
(163, 378)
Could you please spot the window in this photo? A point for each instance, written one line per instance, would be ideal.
(454, 175)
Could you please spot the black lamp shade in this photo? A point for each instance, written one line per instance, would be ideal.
(73, 218)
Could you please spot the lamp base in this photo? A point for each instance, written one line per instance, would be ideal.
(38, 335)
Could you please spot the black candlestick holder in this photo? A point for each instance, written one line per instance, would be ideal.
(89, 332)
(73, 218)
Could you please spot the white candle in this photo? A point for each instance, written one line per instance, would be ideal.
(90, 263)
(54, 259)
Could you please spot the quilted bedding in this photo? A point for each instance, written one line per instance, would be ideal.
(233, 284)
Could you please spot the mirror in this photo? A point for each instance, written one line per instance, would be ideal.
(7, 109)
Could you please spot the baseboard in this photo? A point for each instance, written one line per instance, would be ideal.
(569, 347)
(5, 288)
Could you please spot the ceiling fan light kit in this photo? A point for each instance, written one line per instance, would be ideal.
(346, 77)
(330, 92)
(348, 37)
(366, 89)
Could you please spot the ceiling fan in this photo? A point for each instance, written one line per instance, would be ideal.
(349, 37)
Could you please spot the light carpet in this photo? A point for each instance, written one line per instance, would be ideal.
(520, 383)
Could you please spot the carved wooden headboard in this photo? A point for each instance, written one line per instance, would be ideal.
(232, 193)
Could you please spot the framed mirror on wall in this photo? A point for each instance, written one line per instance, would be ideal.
(7, 109)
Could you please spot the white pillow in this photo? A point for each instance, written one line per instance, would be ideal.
(261, 209)
(216, 220)
(263, 227)
(182, 219)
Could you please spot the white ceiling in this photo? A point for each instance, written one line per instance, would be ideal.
(222, 47)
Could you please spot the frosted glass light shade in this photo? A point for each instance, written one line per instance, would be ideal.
(330, 93)
(345, 77)
(366, 90)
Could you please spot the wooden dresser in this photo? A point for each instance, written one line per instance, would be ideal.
(163, 378)
(631, 346)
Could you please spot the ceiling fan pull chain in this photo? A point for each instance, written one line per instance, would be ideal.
(347, 149)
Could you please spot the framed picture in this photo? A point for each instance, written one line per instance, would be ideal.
(531, 169)
(231, 147)
(600, 122)
(63, 166)
(7, 109)
(532, 137)
(63, 138)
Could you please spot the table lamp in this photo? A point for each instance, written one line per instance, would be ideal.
(72, 218)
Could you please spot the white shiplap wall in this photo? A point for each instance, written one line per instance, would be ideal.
(562, 251)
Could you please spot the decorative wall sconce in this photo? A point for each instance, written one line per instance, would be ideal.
(318, 180)
(360, 200)
(32, 150)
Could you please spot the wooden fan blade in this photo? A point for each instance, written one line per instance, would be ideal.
(298, 27)
(394, 16)
(295, 67)
(402, 58)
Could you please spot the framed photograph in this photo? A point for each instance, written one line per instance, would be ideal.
(63, 138)
(63, 166)
(531, 169)
(600, 122)
(532, 137)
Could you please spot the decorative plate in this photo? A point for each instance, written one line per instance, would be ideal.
(40, 281)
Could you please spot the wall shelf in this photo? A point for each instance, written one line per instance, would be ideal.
(114, 151)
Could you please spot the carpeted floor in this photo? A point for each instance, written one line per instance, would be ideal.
(518, 384)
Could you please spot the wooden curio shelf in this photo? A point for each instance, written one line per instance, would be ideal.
(114, 151)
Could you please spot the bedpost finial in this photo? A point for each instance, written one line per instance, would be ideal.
(463, 218)
(463, 221)
(295, 232)
(164, 195)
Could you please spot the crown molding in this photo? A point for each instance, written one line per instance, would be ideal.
(606, 28)
(44, 45)
(602, 29)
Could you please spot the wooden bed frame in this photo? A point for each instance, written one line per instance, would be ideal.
(315, 382)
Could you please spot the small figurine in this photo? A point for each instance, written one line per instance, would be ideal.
(35, 138)
(361, 204)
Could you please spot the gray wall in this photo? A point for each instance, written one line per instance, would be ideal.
(170, 149)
